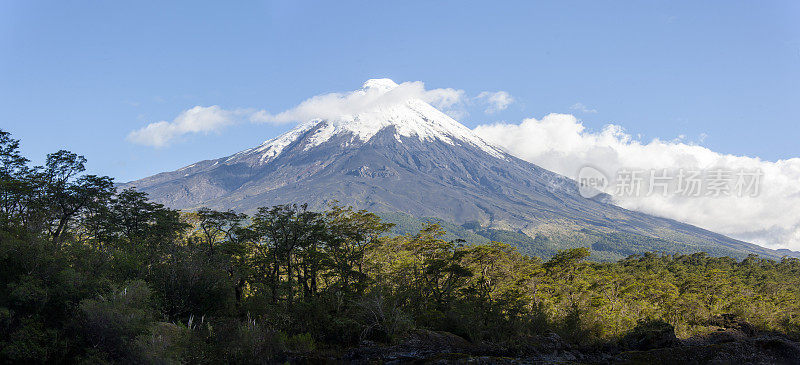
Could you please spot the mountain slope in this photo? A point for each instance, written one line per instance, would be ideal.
(406, 156)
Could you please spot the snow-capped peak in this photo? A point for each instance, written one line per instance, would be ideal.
(379, 104)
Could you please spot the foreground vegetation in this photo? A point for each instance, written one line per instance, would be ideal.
(88, 273)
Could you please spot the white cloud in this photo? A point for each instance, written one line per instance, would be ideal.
(497, 101)
(560, 143)
(375, 93)
(195, 120)
(583, 108)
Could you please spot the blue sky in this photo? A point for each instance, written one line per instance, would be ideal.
(81, 75)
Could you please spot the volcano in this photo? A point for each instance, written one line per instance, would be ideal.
(402, 157)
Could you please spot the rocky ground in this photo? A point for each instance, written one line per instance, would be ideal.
(731, 342)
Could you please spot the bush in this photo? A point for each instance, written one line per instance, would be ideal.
(111, 323)
(302, 342)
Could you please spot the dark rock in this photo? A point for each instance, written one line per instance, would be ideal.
(435, 341)
(756, 350)
(649, 335)
(415, 346)
(731, 321)
(652, 342)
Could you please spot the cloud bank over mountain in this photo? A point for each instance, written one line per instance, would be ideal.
(559, 142)
(374, 93)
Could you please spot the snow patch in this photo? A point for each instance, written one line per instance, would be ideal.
(272, 148)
